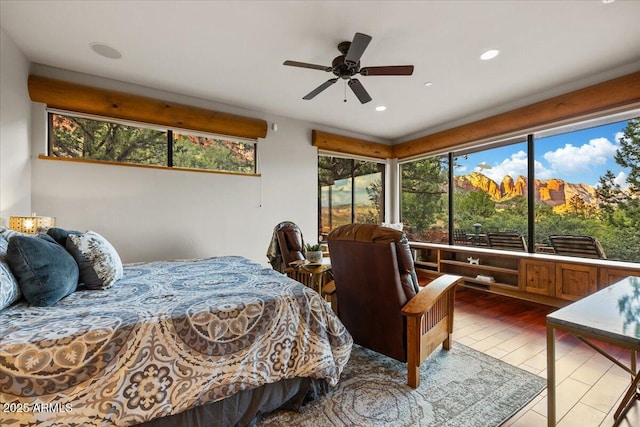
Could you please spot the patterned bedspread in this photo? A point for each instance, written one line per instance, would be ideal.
(169, 336)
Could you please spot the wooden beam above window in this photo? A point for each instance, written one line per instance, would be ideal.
(619, 92)
(347, 145)
(107, 103)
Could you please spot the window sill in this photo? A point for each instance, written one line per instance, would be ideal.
(134, 165)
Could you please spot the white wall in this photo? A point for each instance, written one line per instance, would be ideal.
(157, 214)
(15, 126)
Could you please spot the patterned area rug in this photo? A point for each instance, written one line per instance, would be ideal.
(460, 387)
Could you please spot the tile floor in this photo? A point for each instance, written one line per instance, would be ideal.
(589, 385)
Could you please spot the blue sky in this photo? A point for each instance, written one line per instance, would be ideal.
(578, 157)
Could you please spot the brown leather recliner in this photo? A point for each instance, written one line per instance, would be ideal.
(379, 300)
(291, 242)
(286, 246)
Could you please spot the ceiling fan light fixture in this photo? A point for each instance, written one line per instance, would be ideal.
(489, 54)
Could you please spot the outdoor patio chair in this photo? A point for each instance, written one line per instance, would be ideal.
(511, 241)
(579, 246)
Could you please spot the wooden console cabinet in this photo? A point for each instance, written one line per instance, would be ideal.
(545, 278)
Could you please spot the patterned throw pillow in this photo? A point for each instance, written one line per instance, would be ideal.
(99, 263)
(9, 289)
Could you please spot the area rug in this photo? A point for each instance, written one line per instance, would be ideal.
(460, 387)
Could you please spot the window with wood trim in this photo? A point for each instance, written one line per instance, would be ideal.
(581, 180)
(90, 138)
(350, 191)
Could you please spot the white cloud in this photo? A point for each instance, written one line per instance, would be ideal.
(512, 166)
(618, 137)
(542, 172)
(571, 159)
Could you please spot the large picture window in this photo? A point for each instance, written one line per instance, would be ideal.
(349, 191)
(97, 139)
(586, 185)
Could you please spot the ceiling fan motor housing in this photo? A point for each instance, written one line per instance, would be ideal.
(341, 69)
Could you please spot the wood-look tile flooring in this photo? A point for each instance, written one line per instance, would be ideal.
(589, 386)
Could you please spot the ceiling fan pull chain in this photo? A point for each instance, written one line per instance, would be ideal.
(345, 91)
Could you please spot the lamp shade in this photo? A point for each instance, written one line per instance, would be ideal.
(31, 224)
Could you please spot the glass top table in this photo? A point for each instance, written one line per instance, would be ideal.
(610, 315)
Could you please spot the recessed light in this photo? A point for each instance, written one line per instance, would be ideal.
(381, 108)
(106, 51)
(427, 84)
(607, 1)
(490, 54)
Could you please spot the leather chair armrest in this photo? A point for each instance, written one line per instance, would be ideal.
(428, 295)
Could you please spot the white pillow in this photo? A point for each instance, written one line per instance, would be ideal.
(99, 262)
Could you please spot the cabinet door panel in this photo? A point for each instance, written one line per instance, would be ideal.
(575, 281)
(609, 276)
(538, 277)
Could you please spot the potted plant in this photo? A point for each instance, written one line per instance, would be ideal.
(314, 253)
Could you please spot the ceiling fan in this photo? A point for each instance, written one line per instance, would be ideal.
(347, 65)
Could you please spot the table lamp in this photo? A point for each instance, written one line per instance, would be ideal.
(31, 224)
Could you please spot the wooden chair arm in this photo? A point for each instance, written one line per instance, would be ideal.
(329, 288)
(428, 295)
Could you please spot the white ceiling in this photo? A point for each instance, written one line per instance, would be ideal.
(232, 52)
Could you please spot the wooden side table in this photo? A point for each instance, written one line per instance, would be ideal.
(317, 272)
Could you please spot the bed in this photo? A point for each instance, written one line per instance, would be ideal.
(169, 344)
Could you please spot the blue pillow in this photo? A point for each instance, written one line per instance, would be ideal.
(45, 271)
(60, 235)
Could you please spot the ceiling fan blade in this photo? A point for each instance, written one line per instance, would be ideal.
(358, 45)
(392, 70)
(319, 89)
(305, 65)
(359, 90)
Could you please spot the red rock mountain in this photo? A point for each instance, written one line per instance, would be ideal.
(553, 192)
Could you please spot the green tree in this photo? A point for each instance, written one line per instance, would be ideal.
(475, 206)
(610, 195)
(100, 140)
(620, 206)
(424, 195)
(628, 154)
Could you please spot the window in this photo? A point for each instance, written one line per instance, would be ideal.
(97, 139)
(588, 183)
(424, 199)
(490, 193)
(349, 191)
(199, 152)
